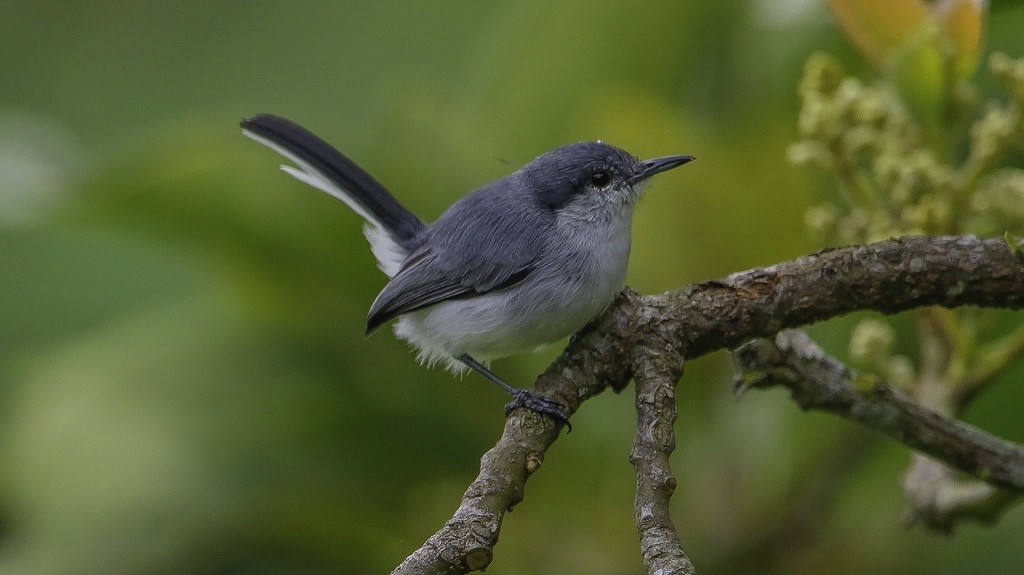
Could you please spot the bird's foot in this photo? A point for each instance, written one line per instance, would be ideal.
(535, 402)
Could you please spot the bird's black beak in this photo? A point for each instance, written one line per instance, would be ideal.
(649, 168)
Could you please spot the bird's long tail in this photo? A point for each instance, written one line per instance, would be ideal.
(391, 228)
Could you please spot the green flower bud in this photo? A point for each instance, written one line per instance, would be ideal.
(871, 341)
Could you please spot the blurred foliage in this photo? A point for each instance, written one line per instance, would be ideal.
(916, 152)
(184, 384)
(903, 169)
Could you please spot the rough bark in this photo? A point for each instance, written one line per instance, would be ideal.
(889, 277)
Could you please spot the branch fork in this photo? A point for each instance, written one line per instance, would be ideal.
(646, 338)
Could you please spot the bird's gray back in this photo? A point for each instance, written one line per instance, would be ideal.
(491, 239)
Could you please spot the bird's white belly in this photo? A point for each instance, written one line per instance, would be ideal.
(552, 303)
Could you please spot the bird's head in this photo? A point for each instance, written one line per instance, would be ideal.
(592, 181)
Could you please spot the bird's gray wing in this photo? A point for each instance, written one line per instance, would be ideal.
(483, 243)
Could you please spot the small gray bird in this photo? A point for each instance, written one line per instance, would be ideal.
(519, 263)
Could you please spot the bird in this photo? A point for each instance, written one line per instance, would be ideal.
(514, 265)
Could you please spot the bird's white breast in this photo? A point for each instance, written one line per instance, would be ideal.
(583, 269)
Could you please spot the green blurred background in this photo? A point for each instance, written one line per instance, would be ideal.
(184, 384)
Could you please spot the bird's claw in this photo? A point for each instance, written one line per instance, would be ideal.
(535, 402)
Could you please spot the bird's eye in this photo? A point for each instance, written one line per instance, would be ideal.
(600, 179)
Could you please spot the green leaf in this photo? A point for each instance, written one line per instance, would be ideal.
(919, 72)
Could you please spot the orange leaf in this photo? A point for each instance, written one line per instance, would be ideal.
(963, 22)
(878, 27)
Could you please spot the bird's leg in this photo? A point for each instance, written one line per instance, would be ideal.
(521, 397)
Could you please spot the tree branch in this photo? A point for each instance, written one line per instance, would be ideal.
(939, 499)
(888, 276)
(818, 381)
(466, 542)
(658, 368)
